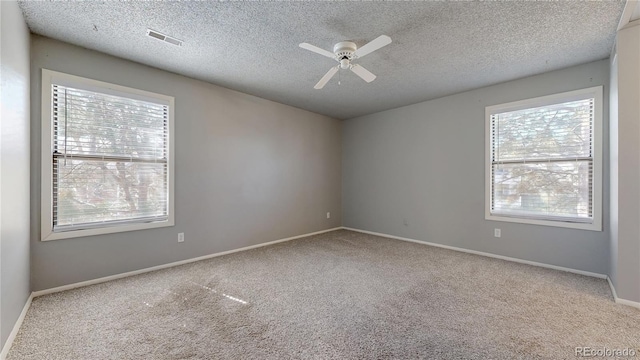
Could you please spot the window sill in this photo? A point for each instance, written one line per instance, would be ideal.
(105, 230)
(595, 226)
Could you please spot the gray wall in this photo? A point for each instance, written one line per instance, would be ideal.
(14, 167)
(613, 170)
(425, 164)
(248, 171)
(628, 176)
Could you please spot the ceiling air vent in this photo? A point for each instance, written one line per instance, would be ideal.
(166, 38)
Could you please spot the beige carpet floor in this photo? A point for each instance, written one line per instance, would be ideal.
(339, 295)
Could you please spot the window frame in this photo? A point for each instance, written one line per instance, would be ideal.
(595, 92)
(49, 78)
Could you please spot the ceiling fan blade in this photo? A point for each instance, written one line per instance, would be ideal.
(365, 74)
(373, 45)
(317, 50)
(325, 79)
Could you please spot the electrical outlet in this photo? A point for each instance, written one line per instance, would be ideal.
(328, 215)
(180, 237)
(497, 232)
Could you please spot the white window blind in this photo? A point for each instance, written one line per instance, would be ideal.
(110, 156)
(542, 162)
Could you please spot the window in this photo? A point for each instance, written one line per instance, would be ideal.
(107, 158)
(544, 160)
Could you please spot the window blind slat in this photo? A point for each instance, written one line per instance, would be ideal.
(561, 130)
(542, 162)
(109, 160)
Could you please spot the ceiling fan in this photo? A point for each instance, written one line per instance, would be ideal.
(345, 52)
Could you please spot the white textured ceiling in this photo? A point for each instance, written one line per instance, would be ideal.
(438, 48)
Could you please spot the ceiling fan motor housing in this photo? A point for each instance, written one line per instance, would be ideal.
(344, 53)
(344, 49)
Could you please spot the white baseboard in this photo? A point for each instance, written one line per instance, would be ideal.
(16, 328)
(613, 289)
(634, 304)
(164, 266)
(621, 301)
(501, 257)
